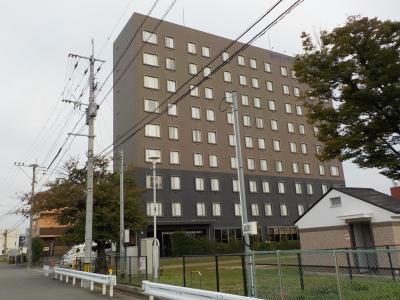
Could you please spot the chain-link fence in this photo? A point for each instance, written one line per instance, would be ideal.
(327, 274)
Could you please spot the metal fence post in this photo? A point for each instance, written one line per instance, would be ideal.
(337, 275)
(147, 270)
(301, 273)
(349, 265)
(116, 264)
(130, 269)
(244, 274)
(217, 272)
(184, 270)
(278, 257)
(391, 263)
(105, 264)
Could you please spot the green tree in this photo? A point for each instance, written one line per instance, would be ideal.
(67, 196)
(357, 67)
(37, 249)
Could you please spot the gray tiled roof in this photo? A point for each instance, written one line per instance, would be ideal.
(374, 197)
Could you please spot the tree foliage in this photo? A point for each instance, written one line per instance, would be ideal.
(357, 67)
(67, 196)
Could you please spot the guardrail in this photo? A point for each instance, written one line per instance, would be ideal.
(172, 292)
(92, 278)
(46, 270)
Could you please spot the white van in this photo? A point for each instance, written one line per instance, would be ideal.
(76, 252)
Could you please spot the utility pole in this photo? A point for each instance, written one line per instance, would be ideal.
(242, 198)
(91, 113)
(34, 167)
(5, 243)
(121, 212)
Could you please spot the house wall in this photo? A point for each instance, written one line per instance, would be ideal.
(325, 237)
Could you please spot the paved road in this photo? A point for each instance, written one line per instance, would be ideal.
(18, 283)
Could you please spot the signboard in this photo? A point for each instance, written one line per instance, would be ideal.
(142, 264)
(46, 249)
(347, 236)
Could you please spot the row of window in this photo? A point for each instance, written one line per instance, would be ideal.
(200, 185)
(192, 48)
(213, 161)
(201, 209)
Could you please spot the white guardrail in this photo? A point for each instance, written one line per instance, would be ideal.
(92, 278)
(172, 292)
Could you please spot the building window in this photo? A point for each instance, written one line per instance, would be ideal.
(284, 210)
(294, 74)
(213, 160)
(248, 141)
(242, 80)
(302, 129)
(281, 187)
(334, 171)
(196, 136)
(199, 184)
(261, 144)
(259, 122)
(245, 100)
(274, 125)
(266, 187)
(212, 137)
(152, 130)
(283, 71)
(235, 185)
(271, 105)
(154, 209)
(225, 56)
(267, 67)
(195, 112)
(293, 147)
(170, 64)
(279, 166)
(149, 37)
(149, 182)
(336, 202)
(288, 108)
(233, 163)
(173, 133)
(171, 86)
(208, 93)
(210, 115)
(253, 186)
(324, 188)
(151, 82)
(255, 212)
(198, 159)
(205, 51)
(307, 168)
(241, 61)
(207, 72)
(276, 145)
(172, 109)
(286, 89)
(263, 165)
(316, 131)
(300, 209)
(194, 90)
(201, 209)
(214, 184)
(296, 91)
(255, 83)
(257, 102)
(309, 189)
(321, 170)
(251, 164)
(175, 183)
(268, 209)
(290, 126)
(227, 76)
(232, 140)
(150, 59)
(176, 209)
(174, 158)
(152, 153)
(304, 148)
(192, 69)
(191, 48)
(229, 117)
(295, 167)
(169, 42)
(246, 121)
(299, 110)
(270, 86)
(253, 63)
(216, 209)
(238, 210)
(152, 106)
(298, 188)
(318, 149)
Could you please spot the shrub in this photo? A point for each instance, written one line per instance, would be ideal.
(37, 249)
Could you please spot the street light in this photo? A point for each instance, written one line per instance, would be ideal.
(156, 244)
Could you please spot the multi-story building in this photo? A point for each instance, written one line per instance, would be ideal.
(197, 176)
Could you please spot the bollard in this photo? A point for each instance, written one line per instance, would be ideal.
(104, 289)
(111, 290)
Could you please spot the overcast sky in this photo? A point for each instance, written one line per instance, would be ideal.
(36, 37)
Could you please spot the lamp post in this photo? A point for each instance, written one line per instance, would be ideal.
(154, 160)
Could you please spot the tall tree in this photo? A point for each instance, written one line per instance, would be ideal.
(357, 67)
(67, 196)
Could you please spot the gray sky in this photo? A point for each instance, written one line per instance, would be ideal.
(36, 37)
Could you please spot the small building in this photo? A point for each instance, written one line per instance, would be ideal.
(351, 218)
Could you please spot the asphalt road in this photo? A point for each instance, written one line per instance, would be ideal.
(18, 283)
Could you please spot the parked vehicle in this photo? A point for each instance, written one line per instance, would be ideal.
(76, 252)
